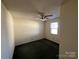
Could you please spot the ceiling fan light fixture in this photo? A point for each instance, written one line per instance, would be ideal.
(43, 16)
(43, 19)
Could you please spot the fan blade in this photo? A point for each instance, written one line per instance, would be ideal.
(48, 16)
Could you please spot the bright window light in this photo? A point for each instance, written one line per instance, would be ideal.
(54, 28)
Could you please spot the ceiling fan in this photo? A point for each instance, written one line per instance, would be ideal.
(43, 16)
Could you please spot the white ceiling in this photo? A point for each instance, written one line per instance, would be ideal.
(32, 7)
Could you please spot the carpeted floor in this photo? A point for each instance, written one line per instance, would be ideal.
(40, 49)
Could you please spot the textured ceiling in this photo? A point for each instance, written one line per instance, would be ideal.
(32, 7)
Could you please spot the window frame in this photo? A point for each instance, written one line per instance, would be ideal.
(54, 28)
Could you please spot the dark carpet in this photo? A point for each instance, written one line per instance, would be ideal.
(40, 49)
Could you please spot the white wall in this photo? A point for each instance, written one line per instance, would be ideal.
(27, 30)
(67, 34)
(48, 34)
(68, 30)
(55, 18)
(7, 35)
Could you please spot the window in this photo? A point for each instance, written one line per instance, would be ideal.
(54, 28)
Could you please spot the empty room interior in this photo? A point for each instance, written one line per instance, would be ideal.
(39, 29)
